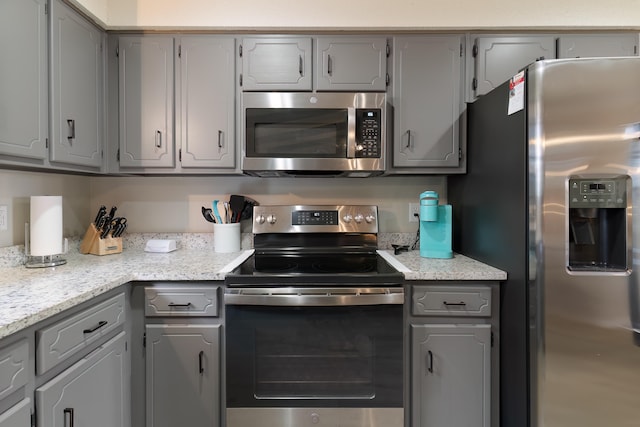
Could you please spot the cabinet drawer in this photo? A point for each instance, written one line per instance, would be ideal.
(201, 301)
(451, 301)
(18, 415)
(13, 367)
(62, 339)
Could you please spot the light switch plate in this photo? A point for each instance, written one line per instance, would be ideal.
(4, 218)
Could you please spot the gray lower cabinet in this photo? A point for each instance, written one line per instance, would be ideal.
(183, 375)
(205, 101)
(92, 392)
(146, 80)
(428, 100)
(18, 415)
(453, 370)
(23, 89)
(77, 89)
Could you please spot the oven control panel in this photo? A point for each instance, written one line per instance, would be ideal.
(315, 219)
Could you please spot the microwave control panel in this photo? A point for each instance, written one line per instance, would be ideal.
(368, 133)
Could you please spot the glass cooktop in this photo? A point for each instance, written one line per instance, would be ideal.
(307, 268)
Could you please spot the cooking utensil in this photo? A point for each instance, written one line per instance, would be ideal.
(101, 212)
(226, 212)
(236, 204)
(215, 212)
(208, 214)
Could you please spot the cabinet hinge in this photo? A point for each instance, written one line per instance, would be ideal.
(461, 50)
(474, 84)
(474, 52)
(459, 153)
(33, 419)
(240, 50)
(240, 79)
(388, 79)
(118, 155)
(118, 52)
(144, 340)
(46, 8)
(492, 339)
(46, 143)
(179, 51)
(388, 50)
(102, 154)
(180, 155)
(126, 346)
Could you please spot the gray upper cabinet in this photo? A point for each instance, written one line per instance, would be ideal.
(205, 100)
(498, 58)
(146, 101)
(597, 45)
(77, 82)
(428, 103)
(282, 64)
(23, 87)
(351, 64)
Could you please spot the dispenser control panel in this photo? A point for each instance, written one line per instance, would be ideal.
(598, 193)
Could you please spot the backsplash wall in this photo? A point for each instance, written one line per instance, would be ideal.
(173, 204)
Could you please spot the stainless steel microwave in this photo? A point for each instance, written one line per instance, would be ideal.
(314, 134)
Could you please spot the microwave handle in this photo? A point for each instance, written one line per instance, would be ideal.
(352, 141)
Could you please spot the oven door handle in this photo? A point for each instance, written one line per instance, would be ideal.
(314, 297)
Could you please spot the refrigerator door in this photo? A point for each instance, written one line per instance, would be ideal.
(583, 124)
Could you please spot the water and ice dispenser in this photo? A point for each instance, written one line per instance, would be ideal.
(599, 224)
(435, 227)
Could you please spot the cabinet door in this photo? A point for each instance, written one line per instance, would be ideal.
(77, 69)
(206, 100)
(351, 64)
(183, 375)
(498, 58)
(597, 45)
(93, 392)
(23, 86)
(276, 64)
(428, 101)
(146, 101)
(18, 415)
(451, 375)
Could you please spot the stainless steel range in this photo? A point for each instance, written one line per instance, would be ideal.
(314, 323)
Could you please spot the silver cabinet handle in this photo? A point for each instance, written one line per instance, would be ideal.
(100, 324)
(158, 139)
(318, 297)
(430, 362)
(454, 304)
(71, 129)
(408, 139)
(175, 305)
(300, 66)
(219, 139)
(329, 65)
(68, 411)
(201, 362)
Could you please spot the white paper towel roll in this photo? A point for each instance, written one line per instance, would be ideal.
(46, 225)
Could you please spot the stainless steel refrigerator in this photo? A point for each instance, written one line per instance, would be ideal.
(552, 187)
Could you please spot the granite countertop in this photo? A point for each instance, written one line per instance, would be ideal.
(30, 295)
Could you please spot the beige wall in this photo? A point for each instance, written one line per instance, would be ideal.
(365, 14)
(17, 187)
(173, 204)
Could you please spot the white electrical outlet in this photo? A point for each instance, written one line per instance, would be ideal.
(414, 210)
(4, 218)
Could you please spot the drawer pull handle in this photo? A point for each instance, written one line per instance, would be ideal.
(95, 328)
(455, 304)
(70, 412)
(172, 304)
(430, 362)
(201, 362)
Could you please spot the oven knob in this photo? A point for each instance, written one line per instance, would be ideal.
(369, 218)
(271, 219)
(359, 218)
(347, 218)
(260, 219)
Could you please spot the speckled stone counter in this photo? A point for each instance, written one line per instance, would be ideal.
(28, 296)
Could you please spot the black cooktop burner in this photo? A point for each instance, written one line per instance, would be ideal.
(305, 268)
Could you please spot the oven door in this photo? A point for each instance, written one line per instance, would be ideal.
(296, 356)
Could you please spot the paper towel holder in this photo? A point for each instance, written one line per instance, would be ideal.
(41, 261)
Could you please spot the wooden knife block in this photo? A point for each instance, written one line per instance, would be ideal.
(93, 244)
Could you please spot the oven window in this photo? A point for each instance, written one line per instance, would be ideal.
(296, 133)
(286, 356)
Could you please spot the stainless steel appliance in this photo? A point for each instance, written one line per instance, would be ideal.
(314, 323)
(550, 196)
(314, 134)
